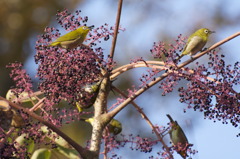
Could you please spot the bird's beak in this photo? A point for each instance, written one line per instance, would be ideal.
(212, 32)
(91, 27)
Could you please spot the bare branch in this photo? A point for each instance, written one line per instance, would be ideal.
(150, 64)
(99, 116)
(116, 28)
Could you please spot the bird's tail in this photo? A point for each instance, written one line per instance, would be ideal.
(170, 118)
(88, 120)
(56, 43)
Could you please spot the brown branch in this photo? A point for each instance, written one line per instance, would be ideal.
(132, 65)
(100, 119)
(100, 104)
(150, 64)
(144, 116)
(75, 145)
(211, 89)
(116, 28)
(105, 145)
(39, 104)
(163, 76)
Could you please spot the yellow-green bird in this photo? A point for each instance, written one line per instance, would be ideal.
(196, 42)
(91, 90)
(72, 39)
(114, 126)
(178, 137)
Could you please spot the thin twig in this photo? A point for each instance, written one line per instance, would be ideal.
(3, 140)
(136, 63)
(39, 104)
(105, 152)
(116, 28)
(150, 64)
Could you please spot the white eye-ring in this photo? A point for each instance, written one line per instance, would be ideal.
(84, 27)
(206, 31)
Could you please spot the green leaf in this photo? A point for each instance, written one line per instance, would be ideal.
(68, 152)
(23, 141)
(42, 153)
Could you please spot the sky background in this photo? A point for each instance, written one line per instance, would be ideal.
(149, 21)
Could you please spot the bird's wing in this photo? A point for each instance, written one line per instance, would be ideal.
(73, 35)
(188, 41)
(183, 136)
(194, 45)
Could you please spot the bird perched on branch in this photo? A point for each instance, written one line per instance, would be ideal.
(114, 126)
(178, 137)
(196, 42)
(88, 96)
(72, 39)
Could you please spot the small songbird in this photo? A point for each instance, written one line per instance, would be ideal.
(196, 42)
(114, 126)
(88, 97)
(72, 39)
(178, 137)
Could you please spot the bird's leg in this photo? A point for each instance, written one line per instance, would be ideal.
(204, 49)
(86, 46)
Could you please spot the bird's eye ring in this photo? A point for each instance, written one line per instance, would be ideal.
(206, 31)
(84, 27)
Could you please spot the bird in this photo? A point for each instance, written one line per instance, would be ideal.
(87, 98)
(178, 137)
(114, 126)
(196, 42)
(72, 39)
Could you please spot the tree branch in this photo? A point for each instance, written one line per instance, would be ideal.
(100, 105)
(116, 28)
(100, 118)
(150, 64)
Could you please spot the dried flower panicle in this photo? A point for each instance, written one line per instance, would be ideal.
(23, 82)
(136, 143)
(168, 53)
(216, 98)
(64, 72)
